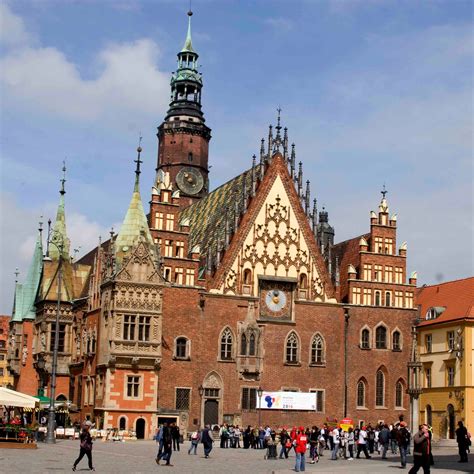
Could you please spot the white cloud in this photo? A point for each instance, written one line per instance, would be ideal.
(12, 28)
(18, 233)
(45, 80)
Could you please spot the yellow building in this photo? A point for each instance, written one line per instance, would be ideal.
(446, 347)
(6, 379)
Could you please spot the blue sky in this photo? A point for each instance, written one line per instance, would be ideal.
(371, 91)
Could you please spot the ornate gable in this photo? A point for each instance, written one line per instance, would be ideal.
(274, 240)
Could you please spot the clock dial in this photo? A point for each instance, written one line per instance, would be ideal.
(190, 180)
(275, 299)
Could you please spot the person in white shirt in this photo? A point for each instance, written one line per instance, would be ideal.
(362, 445)
(336, 440)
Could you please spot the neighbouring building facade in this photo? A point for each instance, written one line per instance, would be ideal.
(207, 296)
(6, 379)
(446, 347)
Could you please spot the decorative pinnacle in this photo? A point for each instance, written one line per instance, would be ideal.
(138, 161)
(63, 179)
(16, 275)
(40, 223)
(112, 232)
(383, 192)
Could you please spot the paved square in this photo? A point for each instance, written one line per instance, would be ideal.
(138, 457)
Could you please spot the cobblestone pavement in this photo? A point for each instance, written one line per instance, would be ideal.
(138, 457)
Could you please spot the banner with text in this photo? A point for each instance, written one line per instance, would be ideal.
(287, 401)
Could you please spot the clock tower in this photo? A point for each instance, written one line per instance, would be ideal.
(183, 137)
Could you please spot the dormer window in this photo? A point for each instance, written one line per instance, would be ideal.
(434, 312)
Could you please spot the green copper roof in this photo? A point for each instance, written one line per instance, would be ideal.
(188, 44)
(25, 294)
(135, 223)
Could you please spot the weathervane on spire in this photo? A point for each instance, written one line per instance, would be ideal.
(278, 127)
(63, 179)
(384, 191)
(138, 161)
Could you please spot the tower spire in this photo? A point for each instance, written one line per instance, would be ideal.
(135, 225)
(138, 161)
(59, 236)
(188, 44)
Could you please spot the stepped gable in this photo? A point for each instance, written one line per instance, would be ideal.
(347, 253)
(207, 216)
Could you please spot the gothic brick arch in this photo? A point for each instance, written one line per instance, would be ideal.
(317, 349)
(365, 327)
(400, 336)
(380, 324)
(292, 348)
(213, 380)
(223, 340)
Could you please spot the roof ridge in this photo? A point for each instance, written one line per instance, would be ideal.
(446, 282)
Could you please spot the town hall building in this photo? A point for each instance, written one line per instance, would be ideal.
(206, 297)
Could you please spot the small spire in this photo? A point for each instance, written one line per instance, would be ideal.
(17, 273)
(292, 160)
(138, 161)
(262, 161)
(188, 44)
(285, 144)
(63, 179)
(278, 127)
(270, 141)
(315, 215)
(262, 148)
(254, 178)
(300, 178)
(307, 198)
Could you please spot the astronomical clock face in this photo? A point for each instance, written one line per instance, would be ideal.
(275, 300)
(190, 180)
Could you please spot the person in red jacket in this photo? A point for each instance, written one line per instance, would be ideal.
(300, 444)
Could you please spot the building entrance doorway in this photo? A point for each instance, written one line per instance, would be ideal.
(451, 422)
(211, 412)
(140, 428)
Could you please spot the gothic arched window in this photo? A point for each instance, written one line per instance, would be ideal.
(243, 344)
(252, 344)
(377, 298)
(317, 350)
(365, 339)
(291, 349)
(381, 337)
(399, 394)
(226, 344)
(388, 299)
(361, 393)
(396, 341)
(122, 423)
(247, 276)
(380, 389)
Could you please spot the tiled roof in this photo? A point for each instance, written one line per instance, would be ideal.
(207, 216)
(456, 296)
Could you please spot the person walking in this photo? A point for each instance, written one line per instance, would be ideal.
(350, 443)
(313, 445)
(362, 443)
(167, 438)
(463, 441)
(384, 440)
(176, 436)
(393, 439)
(336, 439)
(403, 441)
(195, 437)
(371, 438)
(285, 442)
(85, 446)
(300, 449)
(206, 440)
(421, 451)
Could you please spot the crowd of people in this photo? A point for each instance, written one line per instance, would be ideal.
(341, 443)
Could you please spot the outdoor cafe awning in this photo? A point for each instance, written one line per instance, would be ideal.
(12, 398)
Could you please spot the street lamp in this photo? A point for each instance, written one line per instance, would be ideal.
(201, 393)
(59, 244)
(259, 393)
